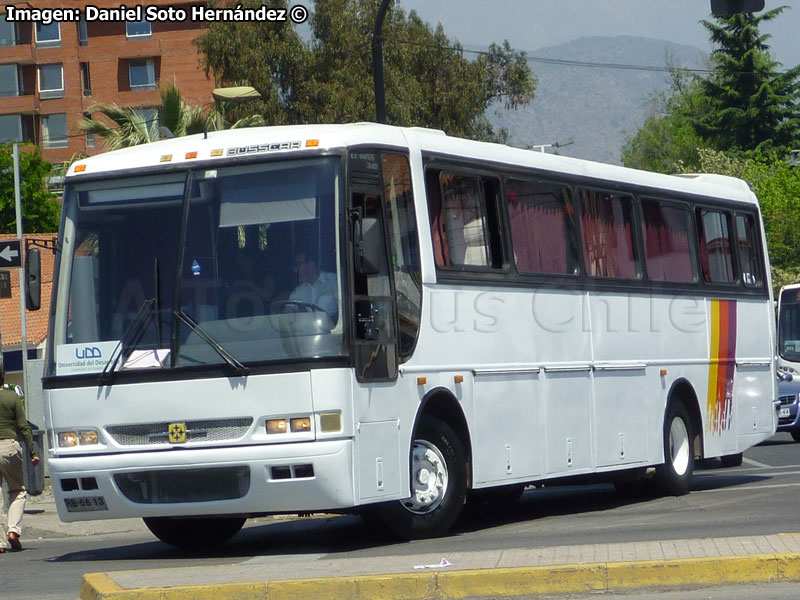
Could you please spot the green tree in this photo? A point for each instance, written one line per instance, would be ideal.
(328, 78)
(753, 106)
(134, 126)
(668, 141)
(40, 210)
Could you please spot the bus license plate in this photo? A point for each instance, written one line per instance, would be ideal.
(784, 413)
(85, 504)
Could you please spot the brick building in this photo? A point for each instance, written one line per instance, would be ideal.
(52, 74)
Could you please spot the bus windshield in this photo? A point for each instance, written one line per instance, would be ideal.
(789, 325)
(200, 268)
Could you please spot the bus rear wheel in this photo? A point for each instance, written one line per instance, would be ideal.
(438, 484)
(192, 533)
(675, 475)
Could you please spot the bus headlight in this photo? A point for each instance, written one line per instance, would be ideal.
(302, 424)
(70, 439)
(276, 426)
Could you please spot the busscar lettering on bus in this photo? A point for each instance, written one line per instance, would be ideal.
(371, 316)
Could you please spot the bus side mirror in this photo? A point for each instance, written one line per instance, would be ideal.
(369, 245)
(33, 279)
(725, 8)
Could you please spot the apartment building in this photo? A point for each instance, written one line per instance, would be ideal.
(51, 74)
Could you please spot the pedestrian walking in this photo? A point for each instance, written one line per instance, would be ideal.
(12, 425)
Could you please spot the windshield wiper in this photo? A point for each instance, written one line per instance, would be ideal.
(234, 364)
(133, 333)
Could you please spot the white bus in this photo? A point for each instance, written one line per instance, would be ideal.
(325, 318)
(789, 330)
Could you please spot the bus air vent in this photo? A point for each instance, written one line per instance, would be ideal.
(175, 486)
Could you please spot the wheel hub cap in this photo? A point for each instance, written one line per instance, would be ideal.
(428, 478)
(679, 446)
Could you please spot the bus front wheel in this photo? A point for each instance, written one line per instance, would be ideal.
(438, 484)
(675, 475)
(194, 532)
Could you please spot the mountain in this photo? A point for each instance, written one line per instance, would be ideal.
(597, 107)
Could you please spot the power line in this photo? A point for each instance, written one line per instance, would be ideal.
(578, 63)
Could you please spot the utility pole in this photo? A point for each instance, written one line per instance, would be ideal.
(21, 271)
(377, 63)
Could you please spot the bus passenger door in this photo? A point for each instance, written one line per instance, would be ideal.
(379, 460)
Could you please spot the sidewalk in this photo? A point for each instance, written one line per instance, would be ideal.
(459, 575)
(485, 574)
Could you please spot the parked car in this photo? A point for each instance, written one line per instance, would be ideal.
(789, 415)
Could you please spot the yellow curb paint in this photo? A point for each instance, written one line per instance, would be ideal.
(788, 567)
(97, 585)
(521, 581)
(227, 591)
(410, 586)
(493, 583)
(700, 571)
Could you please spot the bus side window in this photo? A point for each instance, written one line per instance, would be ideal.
(542, 226)
(715, 247)
(464, 220)
(749, 256)
(404, 247)
(607, 229)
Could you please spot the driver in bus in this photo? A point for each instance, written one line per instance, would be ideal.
(314, 287)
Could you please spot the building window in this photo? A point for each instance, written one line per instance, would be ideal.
(54, 131)
(86, 81)
(51, 81)
(89, 134)
(9, 81)
(48, 35)
(150, 116)
(10, 128)
(142, 73)
(138, 29)
(8, 32)
(83, 31)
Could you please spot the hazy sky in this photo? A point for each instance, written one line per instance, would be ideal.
(532, 24)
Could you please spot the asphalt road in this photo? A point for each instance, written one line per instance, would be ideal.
(760, 497)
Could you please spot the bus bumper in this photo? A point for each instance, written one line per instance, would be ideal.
(239, 480)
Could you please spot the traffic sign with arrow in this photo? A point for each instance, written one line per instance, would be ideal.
(10, 254)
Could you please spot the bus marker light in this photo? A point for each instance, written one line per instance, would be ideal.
(422, 380)
(217, 152)
(80, 168)
(166, 158)
(276, 426)
(191, 155)
(329, 422)
(300, 424)
(458, 379)
(663, 372)
(312, 143)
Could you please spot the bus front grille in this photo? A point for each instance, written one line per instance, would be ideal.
(208, 430)
(174, 486)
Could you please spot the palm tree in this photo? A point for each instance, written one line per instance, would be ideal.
(134, 126)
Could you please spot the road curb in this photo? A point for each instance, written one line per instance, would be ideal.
(477, 583)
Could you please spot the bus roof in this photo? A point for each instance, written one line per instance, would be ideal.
(289, 139)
